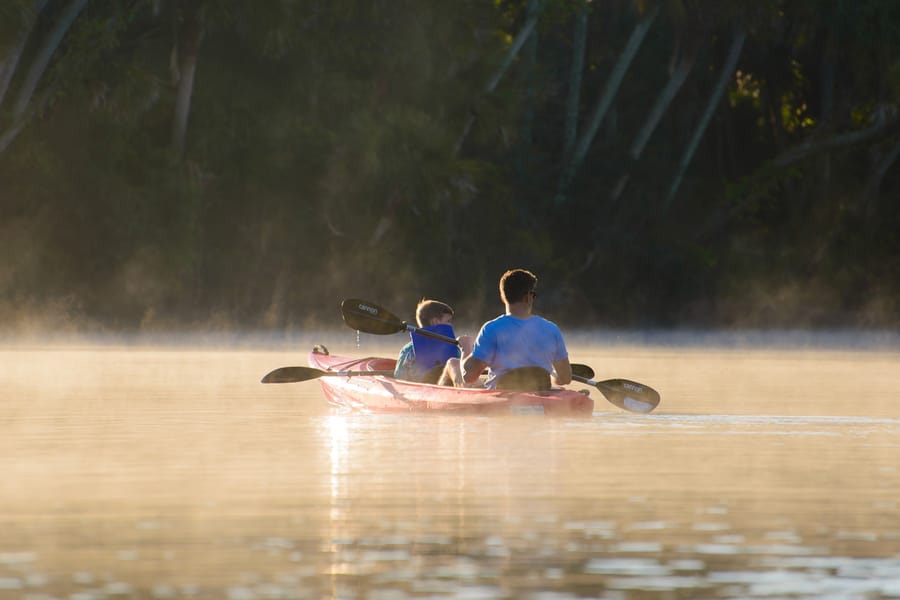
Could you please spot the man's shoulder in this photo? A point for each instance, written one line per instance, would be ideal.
(546, 322)
(495, 322)
(548, 327)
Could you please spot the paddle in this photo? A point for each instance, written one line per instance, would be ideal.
(368, 317)
(624, 393)
(295, 374)
(582, 371)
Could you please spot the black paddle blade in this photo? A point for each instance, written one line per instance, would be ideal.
(629, 395)
(580, 370)
(292, 375)
(370, 318)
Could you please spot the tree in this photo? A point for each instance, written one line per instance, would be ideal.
(573, 162)
(681, 70)
(190, 16)
(24, 14)
(725, 75)
(38, 66)
(573, 101)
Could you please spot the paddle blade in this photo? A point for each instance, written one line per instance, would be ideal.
(370, 318)
(292, 375)
(580, 370)
(629, 395)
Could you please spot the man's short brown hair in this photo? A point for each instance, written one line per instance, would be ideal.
(515, 284)
(431, 309)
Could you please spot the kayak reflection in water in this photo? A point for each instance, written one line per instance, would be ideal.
(529, 350)
(423, 358)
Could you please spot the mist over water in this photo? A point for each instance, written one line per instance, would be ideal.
(164, 469)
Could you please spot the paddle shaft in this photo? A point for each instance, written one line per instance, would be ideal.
(597, 384)
(297, 374)
(354, 373)
(430, 334)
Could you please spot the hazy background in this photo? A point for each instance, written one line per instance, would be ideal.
(230, 165)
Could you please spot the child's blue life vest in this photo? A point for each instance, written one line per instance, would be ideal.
(430, 352)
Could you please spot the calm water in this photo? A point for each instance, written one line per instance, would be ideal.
(146, 472)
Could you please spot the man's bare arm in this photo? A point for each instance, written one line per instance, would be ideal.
(562, 372)
(472, 368)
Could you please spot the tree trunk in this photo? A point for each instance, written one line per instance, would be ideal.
(826, 98)
(676, 80)
(609, 93)
(873, 187)
(517, 44)
(514, 48)
(188, 45)
(42, 60)
(724, 77)
(812, 147)
(573, 102)
(668, 93)
(36, 71)
(9, 65)
(530, 59)
(10, 134)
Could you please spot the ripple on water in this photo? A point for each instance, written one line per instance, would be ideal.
(667, 583)
(636, 547)
(11, 559)
(10, 583)
(642, 567)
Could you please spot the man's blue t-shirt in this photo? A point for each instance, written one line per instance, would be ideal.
(508, 342)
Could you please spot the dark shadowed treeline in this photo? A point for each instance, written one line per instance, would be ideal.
(172, 163)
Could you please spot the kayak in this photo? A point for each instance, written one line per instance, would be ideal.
(367, 385)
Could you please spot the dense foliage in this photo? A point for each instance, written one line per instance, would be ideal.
(171, 163)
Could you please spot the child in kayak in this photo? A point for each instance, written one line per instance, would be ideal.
(529, 348)
(423, 358)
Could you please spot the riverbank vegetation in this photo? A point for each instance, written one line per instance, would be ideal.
(205, 163)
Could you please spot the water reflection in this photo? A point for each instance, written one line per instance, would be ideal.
(482, 518)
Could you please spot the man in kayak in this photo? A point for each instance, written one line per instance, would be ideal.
(523, 350)
(423, 358)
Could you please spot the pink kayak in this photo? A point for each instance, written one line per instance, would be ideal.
(367, 385)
